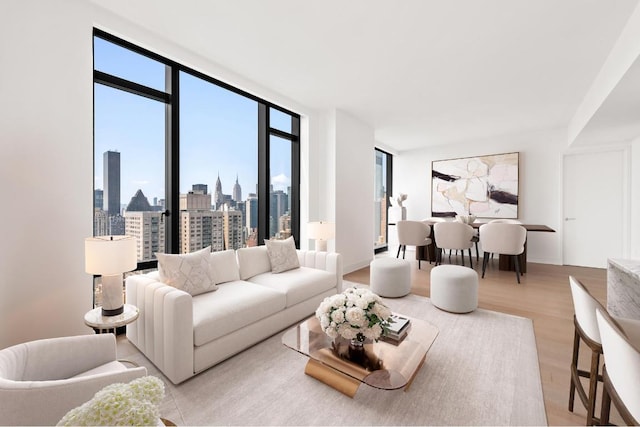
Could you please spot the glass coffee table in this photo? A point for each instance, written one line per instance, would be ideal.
(383, 365)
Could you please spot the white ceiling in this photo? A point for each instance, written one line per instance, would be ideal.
(421, 72)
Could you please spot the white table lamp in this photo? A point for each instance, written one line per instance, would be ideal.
(321, 231)
(110, 256)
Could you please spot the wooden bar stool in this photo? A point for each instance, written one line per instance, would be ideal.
(586, 330)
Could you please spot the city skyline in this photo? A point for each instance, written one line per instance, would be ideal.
(218, 130)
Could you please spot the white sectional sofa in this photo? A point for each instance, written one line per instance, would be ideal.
(184, 335)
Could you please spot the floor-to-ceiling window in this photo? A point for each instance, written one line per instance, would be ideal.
(382, 193)
(183, 161)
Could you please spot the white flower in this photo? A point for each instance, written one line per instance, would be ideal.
(380, 310)
(325, 320)
(362, 303)
(356, 311)
(338, 316)
(373, 332)
(347, 331)
(356, 317)
(132, 404)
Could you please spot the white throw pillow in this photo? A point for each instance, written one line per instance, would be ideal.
(282, 254)
(188, 272)
(224, 266)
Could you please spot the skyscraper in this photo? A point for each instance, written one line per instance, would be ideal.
(251, 212)
(146, 225)
(111, 182)
(200, 188)
(277, 208)
(237, 191)
(218, 196)
(98, 201)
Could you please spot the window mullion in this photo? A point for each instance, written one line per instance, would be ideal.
(172, 180)
(263, 173)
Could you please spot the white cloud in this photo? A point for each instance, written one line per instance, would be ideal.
(280, 182)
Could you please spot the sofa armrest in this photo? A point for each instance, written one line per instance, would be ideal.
(164, 329)
(327, 261)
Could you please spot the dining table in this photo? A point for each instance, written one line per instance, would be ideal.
(505, 262)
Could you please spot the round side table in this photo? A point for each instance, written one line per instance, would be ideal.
(102, 324)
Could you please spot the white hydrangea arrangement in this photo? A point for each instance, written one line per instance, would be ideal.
(355, 314)
(132, 404)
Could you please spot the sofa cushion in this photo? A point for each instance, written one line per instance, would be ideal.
(299, 284)
(252, 261)
(233, 306)
(188, 272)
(282, 254)
(224, 266)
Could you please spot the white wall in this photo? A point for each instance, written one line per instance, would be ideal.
(634, 193)
(540, 183)
(46, 132)
(354, 186)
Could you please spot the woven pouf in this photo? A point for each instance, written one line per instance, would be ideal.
(390, 277)
(454, 288)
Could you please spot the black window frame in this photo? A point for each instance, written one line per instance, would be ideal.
(171, 99)
(389, 189)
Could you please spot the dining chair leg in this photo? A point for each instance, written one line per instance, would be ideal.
(517, 263)
(462, 257)
(470, 259)
(404, 249)
(419, 264)
(399, 248)
(477, 253)
(485, 260)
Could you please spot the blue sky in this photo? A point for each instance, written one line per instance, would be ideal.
(218, 132)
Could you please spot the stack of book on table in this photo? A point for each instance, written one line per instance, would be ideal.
(398, 329)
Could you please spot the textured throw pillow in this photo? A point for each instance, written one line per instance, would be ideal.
(188, 272)
(282, 254)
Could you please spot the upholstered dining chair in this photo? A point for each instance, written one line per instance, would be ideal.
(504, 221)
(413, 233)
(453, 235)
(585, 330)
(504, 239)
(621, 371)
(40, 381)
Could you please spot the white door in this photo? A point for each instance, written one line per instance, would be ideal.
(594, 185)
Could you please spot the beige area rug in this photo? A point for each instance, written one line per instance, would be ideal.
(481, 370)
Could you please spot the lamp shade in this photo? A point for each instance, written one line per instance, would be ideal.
(109, 255)
(321, 230)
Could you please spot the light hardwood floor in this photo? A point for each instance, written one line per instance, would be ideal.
(544, 296)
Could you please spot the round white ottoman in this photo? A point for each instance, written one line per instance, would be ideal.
(390, 277)
(454, 288)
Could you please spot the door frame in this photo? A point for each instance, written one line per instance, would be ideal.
(625, 148)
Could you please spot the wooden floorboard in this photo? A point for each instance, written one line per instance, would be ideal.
(543, 296)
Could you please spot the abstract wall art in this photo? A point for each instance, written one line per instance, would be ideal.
(484, 186)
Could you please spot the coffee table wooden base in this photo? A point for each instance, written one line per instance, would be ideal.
(333, 378)
(342, 382)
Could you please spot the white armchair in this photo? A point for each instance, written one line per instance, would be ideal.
(40, 381)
